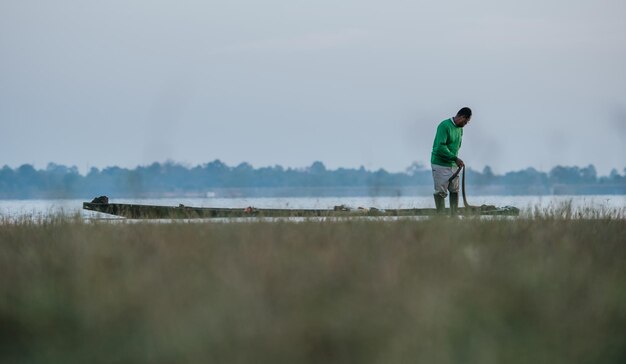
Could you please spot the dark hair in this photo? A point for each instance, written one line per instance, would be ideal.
(466, 111)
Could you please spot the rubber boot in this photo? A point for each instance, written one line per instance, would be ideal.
(440, 203)
(454, 203)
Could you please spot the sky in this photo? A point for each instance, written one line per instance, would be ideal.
(349, 83)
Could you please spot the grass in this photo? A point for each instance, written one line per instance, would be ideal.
(547, 289)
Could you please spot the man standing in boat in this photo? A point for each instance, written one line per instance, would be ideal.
(445, 161)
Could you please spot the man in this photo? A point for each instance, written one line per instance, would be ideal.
(445, 161)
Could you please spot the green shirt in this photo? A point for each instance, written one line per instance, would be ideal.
(447, 144)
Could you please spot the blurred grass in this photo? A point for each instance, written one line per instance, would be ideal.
(548, 289)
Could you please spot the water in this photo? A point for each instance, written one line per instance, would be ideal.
(16, 209)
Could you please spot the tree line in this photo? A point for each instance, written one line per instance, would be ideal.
(171, 179)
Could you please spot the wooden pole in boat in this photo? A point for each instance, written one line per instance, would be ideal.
(465, 204)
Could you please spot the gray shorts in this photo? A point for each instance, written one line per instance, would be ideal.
(441, 175)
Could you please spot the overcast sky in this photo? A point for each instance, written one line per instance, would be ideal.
(348, 83)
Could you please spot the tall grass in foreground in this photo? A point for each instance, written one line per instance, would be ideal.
(541, 290)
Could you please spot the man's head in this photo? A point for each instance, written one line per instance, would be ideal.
(463, 117)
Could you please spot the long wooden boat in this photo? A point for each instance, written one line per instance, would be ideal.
(134, 211)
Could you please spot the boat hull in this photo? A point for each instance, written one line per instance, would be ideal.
(134, 211)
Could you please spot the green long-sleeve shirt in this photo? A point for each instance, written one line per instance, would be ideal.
(447, 144)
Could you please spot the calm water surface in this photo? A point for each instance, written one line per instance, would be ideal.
(44, 208)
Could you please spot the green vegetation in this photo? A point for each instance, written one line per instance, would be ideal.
(171, 179)
(547, 289)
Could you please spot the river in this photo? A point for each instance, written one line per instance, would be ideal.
(12, 209)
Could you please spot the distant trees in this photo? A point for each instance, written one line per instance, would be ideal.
(573, 175)
(158, 179)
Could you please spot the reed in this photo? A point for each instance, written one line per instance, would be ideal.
(546, 288)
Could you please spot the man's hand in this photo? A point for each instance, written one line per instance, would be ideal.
(459, 162)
